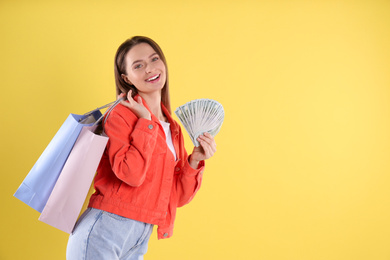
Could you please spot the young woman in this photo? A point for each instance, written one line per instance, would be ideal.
(145, 172)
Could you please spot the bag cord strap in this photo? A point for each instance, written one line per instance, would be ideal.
(96, 109)
(114, 104)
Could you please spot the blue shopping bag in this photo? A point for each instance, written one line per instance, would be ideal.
(39, 182)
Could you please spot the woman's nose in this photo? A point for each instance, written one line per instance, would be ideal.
(149, 68)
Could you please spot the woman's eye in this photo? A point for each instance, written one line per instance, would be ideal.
(155, 59)
(138, 66)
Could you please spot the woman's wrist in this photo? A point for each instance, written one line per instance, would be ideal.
(193, 163)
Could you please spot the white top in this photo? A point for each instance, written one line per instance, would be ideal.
(168, 136)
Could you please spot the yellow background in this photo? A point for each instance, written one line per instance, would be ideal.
(302, 168)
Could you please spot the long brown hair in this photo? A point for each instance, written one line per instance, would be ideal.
(120, 68)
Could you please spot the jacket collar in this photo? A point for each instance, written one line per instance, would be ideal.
(173, 125)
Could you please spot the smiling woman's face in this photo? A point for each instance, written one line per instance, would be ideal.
(145, 70)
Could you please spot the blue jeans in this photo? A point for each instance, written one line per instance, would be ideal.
(103, 235)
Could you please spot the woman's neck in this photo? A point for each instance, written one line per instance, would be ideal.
(154, 104)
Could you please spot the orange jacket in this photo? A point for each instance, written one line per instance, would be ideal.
(138, 177)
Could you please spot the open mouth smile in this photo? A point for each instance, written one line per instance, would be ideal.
(155, 77)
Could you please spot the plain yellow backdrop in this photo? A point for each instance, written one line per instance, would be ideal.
(302, 167)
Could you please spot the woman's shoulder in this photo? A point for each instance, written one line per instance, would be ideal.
(175, 126)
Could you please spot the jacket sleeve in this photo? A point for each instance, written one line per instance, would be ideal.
(188, 180)
(130, 146)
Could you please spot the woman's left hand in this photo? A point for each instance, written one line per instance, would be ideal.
(206, 149)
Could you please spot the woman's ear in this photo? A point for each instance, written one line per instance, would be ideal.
(126, 79)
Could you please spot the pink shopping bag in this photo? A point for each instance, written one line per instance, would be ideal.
(67, 198)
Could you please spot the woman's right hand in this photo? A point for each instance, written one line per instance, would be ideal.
(137, 107)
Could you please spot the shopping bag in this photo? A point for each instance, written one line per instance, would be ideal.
(39, 182)
(69, 193)
(67, 198)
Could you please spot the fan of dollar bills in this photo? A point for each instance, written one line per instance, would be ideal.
(200, 116)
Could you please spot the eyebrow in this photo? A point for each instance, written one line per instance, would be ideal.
(134, 62)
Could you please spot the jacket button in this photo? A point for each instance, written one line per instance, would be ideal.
(165, 234)
(150, 127)
(177, 169)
